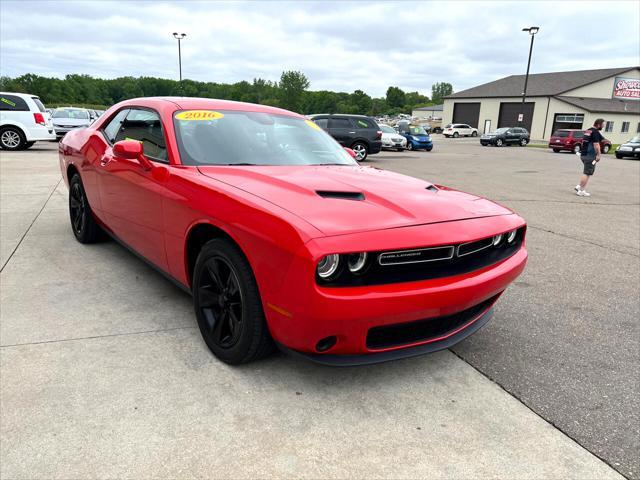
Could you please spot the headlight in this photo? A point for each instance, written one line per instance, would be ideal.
(328, 265)
(496, 240)
(357, 261)
(511, 236)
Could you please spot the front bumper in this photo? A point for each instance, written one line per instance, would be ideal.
(62, 131)
(305, 313)
(420, 145)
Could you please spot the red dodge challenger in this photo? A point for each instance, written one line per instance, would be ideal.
(282, 238)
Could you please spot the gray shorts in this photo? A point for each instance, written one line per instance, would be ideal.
(589, 167)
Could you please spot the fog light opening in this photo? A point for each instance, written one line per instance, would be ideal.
(326, 343)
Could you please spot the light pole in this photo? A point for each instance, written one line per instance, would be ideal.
(532, 32)
(179, 37)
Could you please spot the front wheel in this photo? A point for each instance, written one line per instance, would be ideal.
(618, 156)
(399, 149)
(12, 138)
(499, 142)
(84, 226)
(410, 146)
(360, 150)
(29, 145)
(429, 149)
(228, 306)
(556, 150)
(605, 149)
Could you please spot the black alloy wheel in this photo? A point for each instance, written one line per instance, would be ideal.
(228, 306)
(84, 226)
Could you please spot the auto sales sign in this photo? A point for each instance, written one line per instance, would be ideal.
(626, 88)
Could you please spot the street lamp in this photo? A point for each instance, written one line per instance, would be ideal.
(532, 32)
(179, 37)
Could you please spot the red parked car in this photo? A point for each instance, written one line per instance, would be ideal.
(571, 140)
(282, 238)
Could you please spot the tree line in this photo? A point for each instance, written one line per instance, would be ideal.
(291, 92)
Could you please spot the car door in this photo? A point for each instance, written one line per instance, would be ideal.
(132, 197)
(342, 130)
(511, 136)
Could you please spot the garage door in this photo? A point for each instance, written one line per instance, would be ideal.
(468, 113)
(509, 112)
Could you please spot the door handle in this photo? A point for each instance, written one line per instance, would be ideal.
(352, 133)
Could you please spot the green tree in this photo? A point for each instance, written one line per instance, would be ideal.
(361, 101)
(440, 90)
(292, 87)
(395, 97)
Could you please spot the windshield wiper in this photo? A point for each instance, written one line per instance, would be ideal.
(241, 164)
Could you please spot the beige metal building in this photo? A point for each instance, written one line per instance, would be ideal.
(428, 113)
(554, 100)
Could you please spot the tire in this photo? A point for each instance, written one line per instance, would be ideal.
(84, 226)
(606, 149)
(456, 134)
(618, 156)
(400, 149)
(361, 151)
(12, 138)
(225, 288)
(429, 149)
(29, 145)
(576, 148)
(410, 146)
(474, 134)
(523, 142)
(556, 150)
(499, 142)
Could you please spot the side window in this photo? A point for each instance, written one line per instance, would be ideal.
(340, 123)
(365, 123)
(322, 122)
(145, 126)
(113, 127)
(13, 103)
(578, 135)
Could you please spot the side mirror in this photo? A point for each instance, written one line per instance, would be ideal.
(350, 152)
(132, 150)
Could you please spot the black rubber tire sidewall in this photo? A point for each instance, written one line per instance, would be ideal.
(255, 340)
(90, 232)
(29, 145)
(20, 145)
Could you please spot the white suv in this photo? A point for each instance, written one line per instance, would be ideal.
(23, 121)
(459, 130)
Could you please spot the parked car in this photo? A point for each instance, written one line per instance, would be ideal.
(282, 237)
(571, 140)
(24, 120)
(456, 130)
(358, 132)
(69, 118)
(506, 136)
(417, 137)
(392, 139)
(629, 149)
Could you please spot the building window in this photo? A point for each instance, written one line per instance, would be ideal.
(638, 129)
(608, 127)
(625, 127)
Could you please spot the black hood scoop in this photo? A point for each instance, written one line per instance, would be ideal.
(341, 195)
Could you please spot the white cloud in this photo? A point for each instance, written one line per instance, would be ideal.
(339, 45)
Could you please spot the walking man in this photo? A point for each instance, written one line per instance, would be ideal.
(590, 155)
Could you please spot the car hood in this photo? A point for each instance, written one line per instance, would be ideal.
(71, 121)
(389, 136)
(347, 199)
(421, 138)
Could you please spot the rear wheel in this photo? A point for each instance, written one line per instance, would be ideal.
(84, 226)
(228, 306)
(12, 138)
(360, 150)
(576, 148)
(606, 148)
(456, 134)
(556, 150)
(29, 145)
(523, 142)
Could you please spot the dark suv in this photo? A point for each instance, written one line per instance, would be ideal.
(506, 136)
(359, 133)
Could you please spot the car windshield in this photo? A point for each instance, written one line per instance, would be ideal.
(207, 137)
(71, 113)
(387, 129)
(501, 130)
(635, 139)
(416, 130)
(560, 133)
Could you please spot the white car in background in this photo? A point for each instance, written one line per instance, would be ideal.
(392, 139)
(456, 130)
(68, 118)
(23, 121)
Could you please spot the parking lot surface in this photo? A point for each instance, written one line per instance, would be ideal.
(104, 373)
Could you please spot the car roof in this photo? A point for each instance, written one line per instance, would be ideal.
(350, 115)
(23, 95)
(195, 103)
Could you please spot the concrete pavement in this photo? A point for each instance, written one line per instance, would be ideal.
(104, 374)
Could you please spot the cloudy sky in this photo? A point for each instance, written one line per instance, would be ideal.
(339, 45)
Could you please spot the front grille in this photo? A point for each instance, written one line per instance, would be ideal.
(423, 330)
(425, 263)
